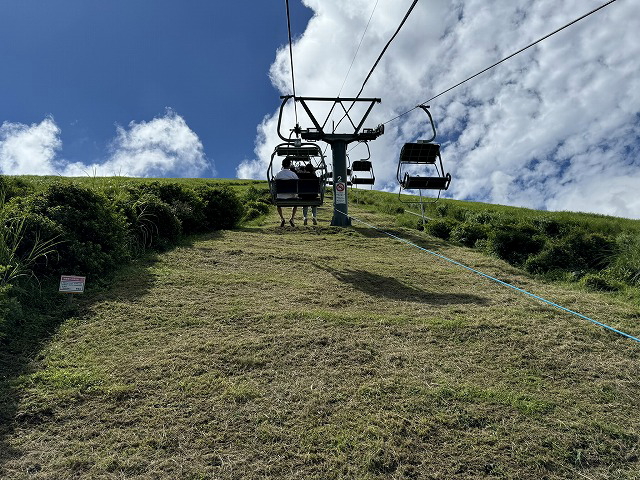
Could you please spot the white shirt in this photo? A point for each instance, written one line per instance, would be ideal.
(286, 174)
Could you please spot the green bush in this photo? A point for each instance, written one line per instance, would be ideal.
(515, 244)
(255, 209)
(92, 233)
(549, 227)
(33, 245)
(592, 250)
(185, 203)
(625, 265)
(442, 209)
(222, 207)
(483, 218)
(11, 187)
(601, 283)
(254, 194)
(554, 256)
(151, 223)
(468, 234)
(441, 228)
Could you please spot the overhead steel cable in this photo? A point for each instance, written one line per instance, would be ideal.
(504, 59)
(293, 78)
(358, 49)
(387, 46)
(378, 60)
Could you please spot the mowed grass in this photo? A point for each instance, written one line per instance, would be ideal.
(320, 353)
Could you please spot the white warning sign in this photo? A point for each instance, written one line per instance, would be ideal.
(71, 284)
(341, 193)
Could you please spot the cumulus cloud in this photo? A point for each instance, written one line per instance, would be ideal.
(29, 149)
(162, 147)
(556, 127)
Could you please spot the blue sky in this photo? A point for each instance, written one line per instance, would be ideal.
(178, 89)
(94, 64)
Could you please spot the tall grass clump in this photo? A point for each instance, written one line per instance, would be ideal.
(626, 264)
(16, 262)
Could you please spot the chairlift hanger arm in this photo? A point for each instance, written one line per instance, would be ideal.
(433, 125)
(285, 99)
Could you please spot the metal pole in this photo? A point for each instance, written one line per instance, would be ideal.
(340, 206)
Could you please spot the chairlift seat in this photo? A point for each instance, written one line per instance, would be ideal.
(363, 181)
(361, 166)
(415, 182)
(301, 186)
(420, 153)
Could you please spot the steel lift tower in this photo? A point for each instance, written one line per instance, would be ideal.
(338, 142)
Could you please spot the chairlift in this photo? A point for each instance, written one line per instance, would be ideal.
(364, 169)
(423, 153)
(301, 192)
(414, 159)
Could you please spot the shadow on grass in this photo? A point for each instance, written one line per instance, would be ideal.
(20, 354)
(380, 286)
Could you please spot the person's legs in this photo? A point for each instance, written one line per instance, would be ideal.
(281, 216)
(293, 214)
(305, 211)
(314, 212)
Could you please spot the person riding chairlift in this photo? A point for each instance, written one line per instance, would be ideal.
(308, 172)
(286, 174)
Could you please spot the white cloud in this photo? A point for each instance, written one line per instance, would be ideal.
(162, 147)
(556, 127)
(29, 149)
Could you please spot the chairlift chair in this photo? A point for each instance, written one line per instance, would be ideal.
(423, 153)
(364, 169)
(305, 191)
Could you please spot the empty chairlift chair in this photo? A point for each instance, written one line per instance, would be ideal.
(362, 170)
(424, 155)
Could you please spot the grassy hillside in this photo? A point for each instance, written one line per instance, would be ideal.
(316, 352)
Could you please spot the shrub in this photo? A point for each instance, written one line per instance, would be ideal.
(441, 228)
(254, 209)
(482, 218)
(253, 194)
(151, 222)
(468, 234)
(442, 209)
(514, 244)
(27, 240)
(600, 282)
(11, 187)
(185, 203)
(625, 264)
(549, 226)
(222, 207)
(554, 256)
(92, 233)
(592, 250)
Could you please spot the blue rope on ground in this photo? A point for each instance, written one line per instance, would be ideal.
(548, 302)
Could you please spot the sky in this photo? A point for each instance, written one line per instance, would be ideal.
(191, 89)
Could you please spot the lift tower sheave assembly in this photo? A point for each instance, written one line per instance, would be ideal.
(338, 142)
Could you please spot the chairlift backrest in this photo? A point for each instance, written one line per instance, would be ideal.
(361, 166)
